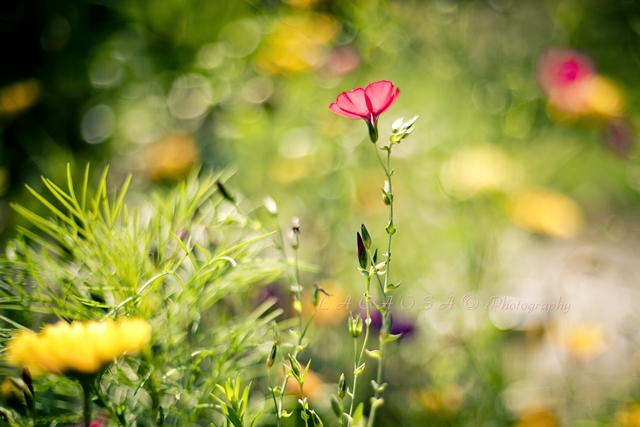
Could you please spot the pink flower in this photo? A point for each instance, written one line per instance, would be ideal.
(564, 75)
(367, 104)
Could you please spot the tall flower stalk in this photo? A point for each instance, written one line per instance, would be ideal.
(368, 104)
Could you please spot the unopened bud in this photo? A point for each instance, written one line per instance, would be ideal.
(366, 237)
(362, 252)
(295, 366)
(342, 387)
(336, 406)
(270, 205)
(355, 326)
(26, 377)
(314, 296)
(272, 356)
(224, 191)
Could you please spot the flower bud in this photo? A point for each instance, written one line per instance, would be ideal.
(295, 366)
(270, 205)
(314, 296)
(366, 237)
(294, 233)
(26, 377)
(272, 356)
(342, 387)
(362, 252)
(355, 326)
(224, 191)
(336, 406)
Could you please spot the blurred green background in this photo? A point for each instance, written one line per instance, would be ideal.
(500, 190)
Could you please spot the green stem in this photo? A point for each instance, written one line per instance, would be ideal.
(301, 335)
(357, 357)
(273, 393)
(383, 332)
(86, 391)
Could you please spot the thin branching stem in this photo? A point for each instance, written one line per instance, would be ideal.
(388, 172)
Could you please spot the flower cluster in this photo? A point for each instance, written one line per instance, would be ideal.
(80, 347)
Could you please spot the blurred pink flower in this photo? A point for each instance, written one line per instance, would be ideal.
(342, 60)
(367, 104)
(562, 74)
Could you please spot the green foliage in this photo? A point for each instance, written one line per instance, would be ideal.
(236, 409)
(184, 259)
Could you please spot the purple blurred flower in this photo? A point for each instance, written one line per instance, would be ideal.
(399, 325)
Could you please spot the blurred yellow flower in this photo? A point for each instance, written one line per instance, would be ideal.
(545, 211)
(478, 170)
(296, 43)
(172, 157)
(537, 418)
(600, 98)
(19, 96)
(604, 98)
(629, 417)
(80, 347)
(583, 342)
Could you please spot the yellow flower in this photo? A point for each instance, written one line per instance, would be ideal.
(296, 44)
(630, 416)
(80, 347)
(583, 342)
(547, 212)
(537, 418)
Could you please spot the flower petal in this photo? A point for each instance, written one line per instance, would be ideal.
(354, 102)
(334, 107)
(382, 95)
